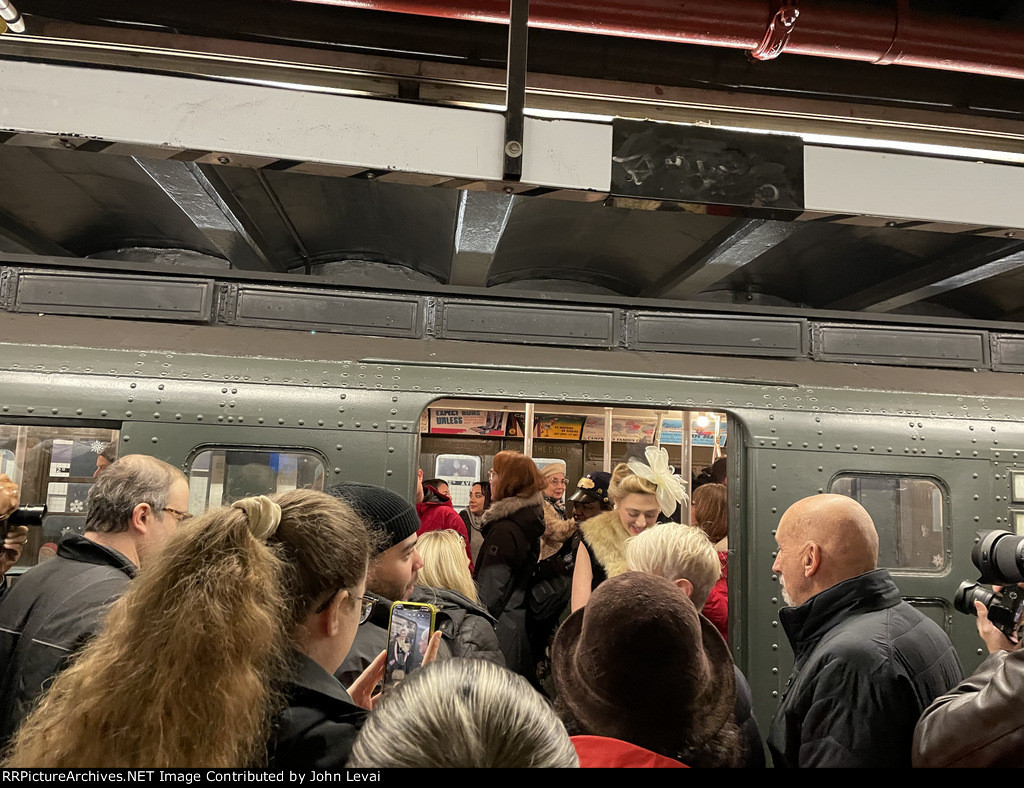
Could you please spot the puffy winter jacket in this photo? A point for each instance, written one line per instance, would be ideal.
(867, 664)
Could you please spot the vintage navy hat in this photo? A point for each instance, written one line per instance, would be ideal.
(592, 487)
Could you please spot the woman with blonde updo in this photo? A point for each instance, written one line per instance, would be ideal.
(227, 642)
(640, 492)
(710, 513)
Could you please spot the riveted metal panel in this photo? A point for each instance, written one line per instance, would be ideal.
(915, 347)
(393, 315)
(541, 325)
(783, 337)
(1007, 353)
(113, 295)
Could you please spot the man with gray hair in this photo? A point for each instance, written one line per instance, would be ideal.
(56, 606)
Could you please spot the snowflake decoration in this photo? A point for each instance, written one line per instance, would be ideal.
(937, 560)
(76, 506)
(96, 447)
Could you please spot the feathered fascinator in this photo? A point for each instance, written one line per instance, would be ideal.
(669, 484)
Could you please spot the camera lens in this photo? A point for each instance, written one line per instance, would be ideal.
(968, 593)
(27, 515)
(999, 556)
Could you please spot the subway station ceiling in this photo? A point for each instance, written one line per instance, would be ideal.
(66, 199)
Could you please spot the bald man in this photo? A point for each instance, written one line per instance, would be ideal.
(866, 663)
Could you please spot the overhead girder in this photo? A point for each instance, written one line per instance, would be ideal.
(208, 209)
(739, 243)
(934, 278)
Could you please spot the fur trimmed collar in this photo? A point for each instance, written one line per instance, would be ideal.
(556, 530)
(606, 541)
(506, 507)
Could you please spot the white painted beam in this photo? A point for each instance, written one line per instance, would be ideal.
(287, 122)
(904, 186)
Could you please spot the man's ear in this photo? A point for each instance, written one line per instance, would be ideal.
(684, 585)
(812, 559)
(140, 518)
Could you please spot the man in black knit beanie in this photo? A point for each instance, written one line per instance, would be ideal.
(393, 568)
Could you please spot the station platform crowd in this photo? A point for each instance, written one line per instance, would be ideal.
(257, 635)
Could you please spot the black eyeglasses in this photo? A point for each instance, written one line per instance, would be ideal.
(365, 606)
(179, 516)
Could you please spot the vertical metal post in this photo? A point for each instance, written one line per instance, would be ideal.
(528, 430)
(515, 87)
(687, 462)
(607, 460)
(718, 437)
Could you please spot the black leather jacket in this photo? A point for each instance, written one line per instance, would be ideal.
(980, 722)
(51, 611)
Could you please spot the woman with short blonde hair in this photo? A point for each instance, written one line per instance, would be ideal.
(445, 564)
(680, 553)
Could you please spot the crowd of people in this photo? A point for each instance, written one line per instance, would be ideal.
(587, 629)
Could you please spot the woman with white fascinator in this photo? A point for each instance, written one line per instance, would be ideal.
(640, 492)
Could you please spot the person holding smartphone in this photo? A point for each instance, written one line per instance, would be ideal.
(14, 537)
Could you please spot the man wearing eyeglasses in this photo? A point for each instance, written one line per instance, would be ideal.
(55, 607)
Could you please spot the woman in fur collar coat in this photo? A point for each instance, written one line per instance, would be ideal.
(602, 550)
(513, 527)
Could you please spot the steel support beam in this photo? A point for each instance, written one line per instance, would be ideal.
(940, 276)
(737, 244)
(481, 223)
(208, 209)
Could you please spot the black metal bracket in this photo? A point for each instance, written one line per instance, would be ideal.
(515, 88)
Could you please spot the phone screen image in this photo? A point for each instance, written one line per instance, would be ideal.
(408, 636)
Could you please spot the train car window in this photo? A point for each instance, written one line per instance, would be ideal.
(217, 477)
(908, 513)
(461, 471)
(55, 466)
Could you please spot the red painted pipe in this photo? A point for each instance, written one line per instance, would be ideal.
(836, 30)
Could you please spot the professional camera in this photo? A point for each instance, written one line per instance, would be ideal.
(999, 556)
(23, 515)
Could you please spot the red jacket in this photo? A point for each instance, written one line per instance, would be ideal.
(716, 609)
(437, 513)
(600, 752)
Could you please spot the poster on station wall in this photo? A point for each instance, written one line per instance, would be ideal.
(489, 423)
(672, 434)
(625, 429)
(567, 428)
(461, 471)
